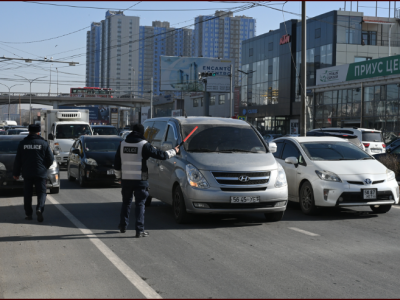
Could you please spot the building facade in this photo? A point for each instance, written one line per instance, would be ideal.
(221, 36)
(93, 55)
(270, 82)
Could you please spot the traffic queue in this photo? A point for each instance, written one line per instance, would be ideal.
(221, 166)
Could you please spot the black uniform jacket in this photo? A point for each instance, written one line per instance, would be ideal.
(34, 157)
(147, 152)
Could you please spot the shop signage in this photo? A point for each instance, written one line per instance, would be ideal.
(250, 111)
(284, 39)
(242, 118)
(294, 126)
(361, 70)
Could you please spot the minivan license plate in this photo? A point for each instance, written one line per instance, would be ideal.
(110, 172)
(245, 199)
(369, 194)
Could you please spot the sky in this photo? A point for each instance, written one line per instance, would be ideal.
(40, 29)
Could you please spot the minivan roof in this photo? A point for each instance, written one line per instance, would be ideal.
(204, 120)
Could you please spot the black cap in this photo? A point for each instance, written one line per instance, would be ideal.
(138, 128)
(33, 128)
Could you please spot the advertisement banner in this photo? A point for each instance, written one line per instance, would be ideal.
(181, 73)
(294, 126)
(332, 74)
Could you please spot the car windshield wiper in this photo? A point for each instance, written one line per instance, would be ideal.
(238, 150)
(201, 150)
(365, 158)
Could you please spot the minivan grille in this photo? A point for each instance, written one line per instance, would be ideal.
(248, 178)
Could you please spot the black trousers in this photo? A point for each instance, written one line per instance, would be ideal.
(141, 194)
(40, 185)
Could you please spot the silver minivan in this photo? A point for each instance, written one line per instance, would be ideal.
(225, 166)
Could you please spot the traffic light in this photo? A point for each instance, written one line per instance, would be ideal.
(207, 74)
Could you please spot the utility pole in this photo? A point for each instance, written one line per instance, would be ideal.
(57, 81)
(9, 99)
(50, 81)
(303, 70)
(30, 94)
(231, 96)
(151, 99)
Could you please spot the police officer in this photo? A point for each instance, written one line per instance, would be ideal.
(130, 165)
(33, 158)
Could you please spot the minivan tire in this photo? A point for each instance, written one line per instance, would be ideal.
(148, 201)
(306, 199)
(274, 217)
(82, 179)
(179, 207)
(381, 209)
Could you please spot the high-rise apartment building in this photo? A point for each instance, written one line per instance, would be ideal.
(112, 53)
(221, 36)
(155, 41)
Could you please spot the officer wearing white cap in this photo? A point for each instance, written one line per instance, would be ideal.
(130, 165)
(34, 157)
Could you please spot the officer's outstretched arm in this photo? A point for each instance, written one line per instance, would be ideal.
(150, 151)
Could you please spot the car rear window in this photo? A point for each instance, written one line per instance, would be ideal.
(371, 136)
(9, 147)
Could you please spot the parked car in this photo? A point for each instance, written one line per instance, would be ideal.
(8, 151)
(224, 167)
(331, 172)
(372, 139)
(91, 158)
(32, 95)
(2, 132)
(393, 144)
(352, 138)
(104, 130)
(24, 133)
(122, 132)
(15, 131)
(269, 137)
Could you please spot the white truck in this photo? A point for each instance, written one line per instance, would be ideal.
(60, 127)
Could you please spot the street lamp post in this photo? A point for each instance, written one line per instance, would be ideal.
(30, 95)
(57, 81)
(9, 99)
(247, 74)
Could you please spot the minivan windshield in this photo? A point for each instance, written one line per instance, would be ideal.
(371, 136)
(9, 147)
(72, 131)
(222, 138)
(333, 151)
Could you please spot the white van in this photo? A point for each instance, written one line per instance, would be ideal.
(372, 139)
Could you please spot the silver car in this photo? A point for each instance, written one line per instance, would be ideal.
(225, 166)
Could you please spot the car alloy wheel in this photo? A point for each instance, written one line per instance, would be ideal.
(179, 207)
(307, 202)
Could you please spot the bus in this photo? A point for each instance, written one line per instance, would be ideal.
(91, 92)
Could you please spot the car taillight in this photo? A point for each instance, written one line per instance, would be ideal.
(383, 145)
(366, 145)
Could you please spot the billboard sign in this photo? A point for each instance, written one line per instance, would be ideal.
(181, 73)
(220, 84)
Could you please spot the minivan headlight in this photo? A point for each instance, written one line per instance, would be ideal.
(389, 174)
(281, 178)
(2, 167)
(328, 176)
(90, 161)
(54, 165)
(195, 178)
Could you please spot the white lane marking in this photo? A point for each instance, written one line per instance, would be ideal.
(131, 275)
(398, 207)
(303, 231)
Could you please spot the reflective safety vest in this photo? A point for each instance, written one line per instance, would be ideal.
(131, 160)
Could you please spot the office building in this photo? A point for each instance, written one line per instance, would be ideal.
(221, 36)
(112, 53)
(271, 91)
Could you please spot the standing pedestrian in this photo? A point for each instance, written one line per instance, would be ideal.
(34, 157)
(130, 166)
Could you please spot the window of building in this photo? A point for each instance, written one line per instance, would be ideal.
(212, 100)
(271, 46)
(221, 99)
(195, 103)
(251, 52)
(270, 69)
(317, 33)
(368, 38)
(359, 58)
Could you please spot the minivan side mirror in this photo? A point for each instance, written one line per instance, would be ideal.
(165, 146)
(272, 147)
(292, 160)
(51, 137)
(75, 151)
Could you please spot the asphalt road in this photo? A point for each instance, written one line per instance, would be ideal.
(78, 252)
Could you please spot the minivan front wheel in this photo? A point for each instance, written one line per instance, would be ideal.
(179, 207)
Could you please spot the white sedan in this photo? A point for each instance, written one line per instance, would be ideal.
(329, 171)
